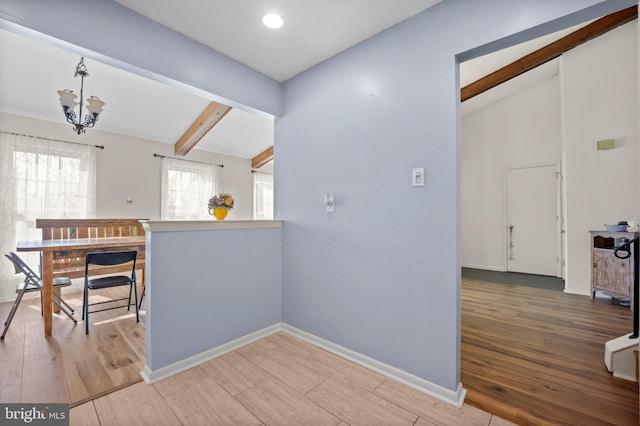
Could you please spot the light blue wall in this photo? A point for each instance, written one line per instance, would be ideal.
(120, 37)
(208, 288)
(380, 276)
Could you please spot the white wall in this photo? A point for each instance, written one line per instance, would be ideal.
(594, 97)
(521, 130)
(127, 168)
(600, 84)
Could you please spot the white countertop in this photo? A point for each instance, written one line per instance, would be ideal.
(206, 225)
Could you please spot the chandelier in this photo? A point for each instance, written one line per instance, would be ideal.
(68, 102)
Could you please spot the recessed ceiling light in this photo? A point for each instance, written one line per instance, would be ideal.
(272, 20)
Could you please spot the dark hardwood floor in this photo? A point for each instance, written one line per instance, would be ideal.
(536, 357)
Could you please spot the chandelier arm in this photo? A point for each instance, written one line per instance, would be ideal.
(89, 121)
(71, 117)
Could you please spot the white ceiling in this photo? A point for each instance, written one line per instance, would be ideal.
(139, 107)
(135, 106)
(313, 30)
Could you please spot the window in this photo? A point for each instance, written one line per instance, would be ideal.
(186, 189)
(262, 196)
(41, 178)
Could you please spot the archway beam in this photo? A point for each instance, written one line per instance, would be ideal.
(212, 114)
(263, 158)
(549, 52)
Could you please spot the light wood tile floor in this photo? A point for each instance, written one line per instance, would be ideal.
(277, 380)
(70, 366)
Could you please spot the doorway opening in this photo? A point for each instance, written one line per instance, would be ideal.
(516, 341)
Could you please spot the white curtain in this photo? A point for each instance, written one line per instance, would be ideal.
(262, 196)
(186, 189)
(40, 178)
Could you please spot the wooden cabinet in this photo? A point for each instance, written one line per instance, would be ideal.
(609, 274)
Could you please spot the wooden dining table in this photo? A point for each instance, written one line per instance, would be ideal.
(64, 248)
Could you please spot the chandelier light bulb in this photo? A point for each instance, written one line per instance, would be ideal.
(95, 105)
(67, 99)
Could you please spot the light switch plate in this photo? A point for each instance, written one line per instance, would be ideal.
(417, 177)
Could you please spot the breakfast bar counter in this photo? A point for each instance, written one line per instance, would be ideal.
(204, 225)
(209, 283)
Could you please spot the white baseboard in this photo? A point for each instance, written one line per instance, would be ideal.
(450, 397)
(485, 267)
(152, 376)
(580, 292)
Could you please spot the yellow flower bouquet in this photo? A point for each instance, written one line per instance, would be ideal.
(223, 200)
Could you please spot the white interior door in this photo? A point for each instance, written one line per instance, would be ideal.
(533, 218)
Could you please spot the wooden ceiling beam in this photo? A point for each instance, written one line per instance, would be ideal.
(263, 158)
(211, 116)
(549, 52)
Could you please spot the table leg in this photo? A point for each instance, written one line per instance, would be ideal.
(47, 290)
